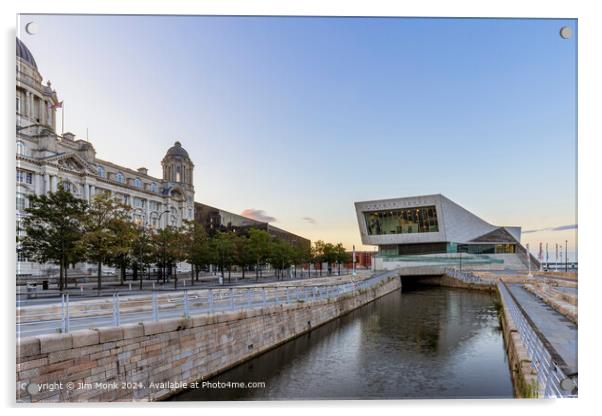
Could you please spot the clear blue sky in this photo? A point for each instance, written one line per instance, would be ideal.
(300, 117)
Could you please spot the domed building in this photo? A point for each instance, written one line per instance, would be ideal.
(47, 160)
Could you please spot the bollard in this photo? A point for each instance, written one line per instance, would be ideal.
(155, 307)
(63, 314)
(153, 285)
(81, 288)
(186, 308)
(67, 322)
(130, 286)
(115, 309)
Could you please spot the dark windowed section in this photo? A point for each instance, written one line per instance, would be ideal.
(423, 248)
(487, 248)
(402, 221)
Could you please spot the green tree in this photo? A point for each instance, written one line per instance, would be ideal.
(340, 256)
(125, 232)
(282, 256)
(224, 244)
(244, 253)
(101, 240)
(259, 245)
(53, 229)
(143, 252)
(197, 247)
(330, 256)
(301, 255)
(317, 253)
(170, 243)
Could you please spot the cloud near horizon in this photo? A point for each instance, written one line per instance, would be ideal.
(559, 228)
(309, 220)
(258, 215)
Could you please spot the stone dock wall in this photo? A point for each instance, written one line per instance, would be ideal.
(524, 376)
(120, 363)
(448, 281)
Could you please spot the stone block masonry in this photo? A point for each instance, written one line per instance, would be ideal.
(151, 360)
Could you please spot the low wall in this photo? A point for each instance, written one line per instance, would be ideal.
(122, 363)
(448, 281)
(562, 303)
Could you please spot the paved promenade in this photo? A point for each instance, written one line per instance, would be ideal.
(558, 330)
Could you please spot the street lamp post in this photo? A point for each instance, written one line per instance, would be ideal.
(566, 256)
(163, 248)
(353, 262)
(529, 261)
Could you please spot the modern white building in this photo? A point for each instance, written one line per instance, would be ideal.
(47, 160)
(435, 227)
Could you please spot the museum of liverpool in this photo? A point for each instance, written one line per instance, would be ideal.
(432, 228)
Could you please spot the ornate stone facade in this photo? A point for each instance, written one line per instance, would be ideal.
(47, 160)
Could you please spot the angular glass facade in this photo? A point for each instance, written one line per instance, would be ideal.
(402, 221)
(487, 248)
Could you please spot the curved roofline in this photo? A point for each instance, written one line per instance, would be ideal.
(23, 52)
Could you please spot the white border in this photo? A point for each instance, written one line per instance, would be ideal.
(589, 178)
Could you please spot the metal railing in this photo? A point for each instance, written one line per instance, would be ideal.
(469, 259)
(120, 310)
(552, 374)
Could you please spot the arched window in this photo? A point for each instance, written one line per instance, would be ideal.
(101, 171)
(20, 148)
(153, 187)
(137, 183)
(120, 178)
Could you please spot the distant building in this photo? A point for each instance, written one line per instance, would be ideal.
(435, 225)
(363, 259)
(216, 219)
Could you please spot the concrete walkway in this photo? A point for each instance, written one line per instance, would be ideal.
(558, 330)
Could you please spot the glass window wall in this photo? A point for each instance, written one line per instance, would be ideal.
(402, 221)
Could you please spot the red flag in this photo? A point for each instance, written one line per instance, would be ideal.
(59, 105)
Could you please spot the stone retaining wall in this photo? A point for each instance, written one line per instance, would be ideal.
(448, 281)
(561, 302)
(125, 360)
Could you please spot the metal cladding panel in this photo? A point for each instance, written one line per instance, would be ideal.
(514, 232)
(462, 225)
(395, 203)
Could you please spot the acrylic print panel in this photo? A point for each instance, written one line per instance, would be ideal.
(284, 208)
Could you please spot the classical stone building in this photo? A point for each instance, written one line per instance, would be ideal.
(47, 160)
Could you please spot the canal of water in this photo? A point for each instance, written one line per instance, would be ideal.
(423, 343)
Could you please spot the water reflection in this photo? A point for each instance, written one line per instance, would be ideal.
(429, 342)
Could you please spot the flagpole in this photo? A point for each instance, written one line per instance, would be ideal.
(62, 119)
